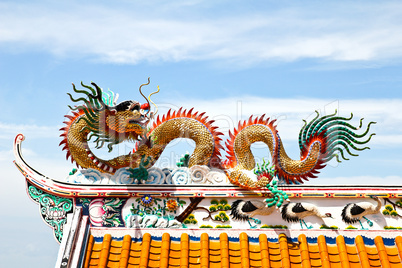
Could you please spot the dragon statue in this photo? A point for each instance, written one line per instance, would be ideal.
(100, 120)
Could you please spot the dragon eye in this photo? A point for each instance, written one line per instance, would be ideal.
(135, 107)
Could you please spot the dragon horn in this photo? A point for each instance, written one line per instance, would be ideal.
(149, 98)
(144, 95)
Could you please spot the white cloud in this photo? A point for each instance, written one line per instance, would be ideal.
(6, 155)
(9, 154)
(10, 131)
(139, 32)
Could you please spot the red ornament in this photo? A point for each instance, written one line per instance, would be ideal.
(145, 106)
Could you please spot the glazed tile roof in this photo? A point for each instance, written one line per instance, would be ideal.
(243, 251)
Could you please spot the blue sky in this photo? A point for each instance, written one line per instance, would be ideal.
(227, 58)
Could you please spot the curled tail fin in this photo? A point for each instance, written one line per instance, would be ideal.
(337, 135)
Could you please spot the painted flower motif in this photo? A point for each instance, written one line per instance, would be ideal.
(172, 204)
(97, 212)
(147, 200)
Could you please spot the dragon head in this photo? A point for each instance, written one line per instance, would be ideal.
(109, 122)
(127, 118)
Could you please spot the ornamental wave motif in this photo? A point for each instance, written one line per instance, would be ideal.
(199, 173)
(179, 176)
(99, 119)
(53, 209)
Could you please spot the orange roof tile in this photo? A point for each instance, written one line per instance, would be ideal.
(203, 251)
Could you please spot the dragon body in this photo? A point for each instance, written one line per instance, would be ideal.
(100, 119)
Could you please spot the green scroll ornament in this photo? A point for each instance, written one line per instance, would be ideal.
(53, 209)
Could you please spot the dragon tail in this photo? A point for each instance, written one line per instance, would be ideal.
(320, 140)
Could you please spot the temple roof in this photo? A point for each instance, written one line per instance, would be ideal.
(243, 251)
(218, 225)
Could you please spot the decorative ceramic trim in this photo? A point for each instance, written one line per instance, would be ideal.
(53, 209)
(69, 190)
(196, 175)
